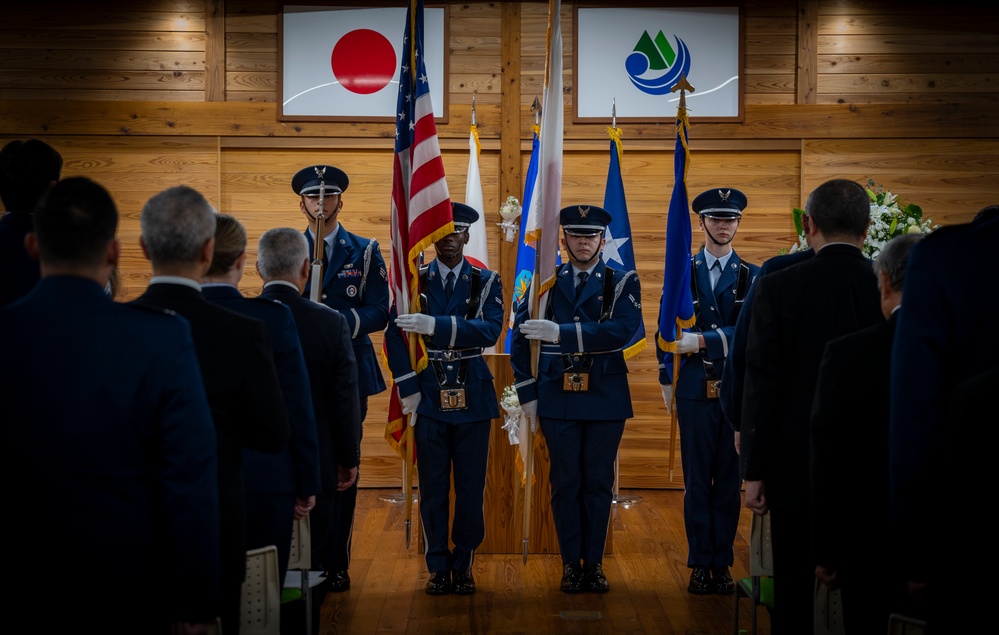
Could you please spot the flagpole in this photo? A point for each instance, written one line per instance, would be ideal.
(681, 85)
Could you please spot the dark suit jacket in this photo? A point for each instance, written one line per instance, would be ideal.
(329, 358)
(795, 313)
(938, 345)
(849, 472)
(19, 272)
(733, 377)
(244, 394)
(108, 460)
(295, 469)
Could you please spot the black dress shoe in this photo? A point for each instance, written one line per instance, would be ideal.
(700, 581)
(572, 578)
(439, 583)
(462, 582)
(594, 580)
(722, 580)
(337, 582)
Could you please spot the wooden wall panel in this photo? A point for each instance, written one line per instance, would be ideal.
(905, 95)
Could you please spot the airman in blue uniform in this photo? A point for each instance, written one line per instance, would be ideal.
(711, 499)
(355, 283)
(452, 400)
(580, 395)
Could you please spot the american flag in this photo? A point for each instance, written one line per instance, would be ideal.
(421, 205)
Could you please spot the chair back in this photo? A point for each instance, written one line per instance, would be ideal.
(761, 554)
(260, 613)
(301, 545)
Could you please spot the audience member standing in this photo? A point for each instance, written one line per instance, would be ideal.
(178, 237)
(938, 458)
(280, 487)
(849, 458)
(712, 486)
(796, 312)
(27, 170)
(355, 283)
(452, 401)
(110, 463)
(284, 264)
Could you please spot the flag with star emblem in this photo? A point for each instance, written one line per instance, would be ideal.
(619, 250)
(421, 203)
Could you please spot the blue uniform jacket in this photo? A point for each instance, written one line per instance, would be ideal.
(294, 469)
(453, 331)
(716, 318)
(608, 397)
(105, 415)
(356, 284)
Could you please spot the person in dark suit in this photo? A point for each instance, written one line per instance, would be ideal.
(108, 437)
(280, 487)
(936, 440)
(795, 313)
(355, 283)
(452, 400)
(178, 237)
(283, 263)
(733, 376)
(712, 486)
(849, 459)
(28, 169)
(580, 395)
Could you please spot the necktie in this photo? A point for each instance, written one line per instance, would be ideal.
(582, 282)
(715, 273)
(326, 258)
(449, 285)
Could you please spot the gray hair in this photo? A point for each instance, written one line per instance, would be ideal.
(280, 253)
(176, 224)
(894, 258)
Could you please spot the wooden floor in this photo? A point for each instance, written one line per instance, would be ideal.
(647, 573)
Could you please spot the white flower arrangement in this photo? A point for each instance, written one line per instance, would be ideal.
(889, 218)
(509, 211)
(511, 421)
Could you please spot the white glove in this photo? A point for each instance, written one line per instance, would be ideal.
(544, 330)
(668, 396)
(416, 323)
(530, 409)
(410, 403)
(688, 343)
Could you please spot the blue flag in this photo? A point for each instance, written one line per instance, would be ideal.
(619, 251)
(525, 252)
(677, 304)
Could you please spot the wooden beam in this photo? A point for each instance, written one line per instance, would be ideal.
(215, 50)
(511, 182)
(807, 89)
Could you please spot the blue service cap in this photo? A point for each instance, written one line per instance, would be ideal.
(306, 181)
(584, 220)
(723, 202)
(463, 216)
